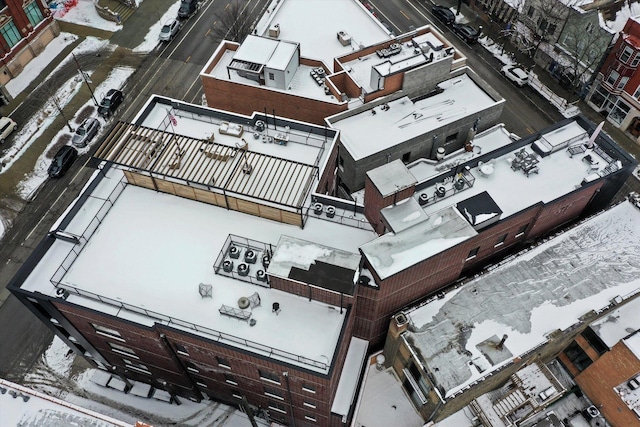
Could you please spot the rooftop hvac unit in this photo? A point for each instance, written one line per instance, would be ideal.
(317, 208)
(344, 38)
(331, 211)
(243, 269)
(62, 293)
(243, 302)
(274, 31)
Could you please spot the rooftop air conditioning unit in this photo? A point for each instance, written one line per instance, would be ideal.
(274, 31)
(344, 38)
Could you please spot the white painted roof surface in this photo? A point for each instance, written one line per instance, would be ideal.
(152, 250)
(403, 214)
(547, 288)
(558, 174)
(391, 177)
(282, 56)
(383, 402)
(256, 49)
(619, 323)
(366, 133)
(393, 252)
(327, 18)
(350, 377)
(41, 410)
(633, 344)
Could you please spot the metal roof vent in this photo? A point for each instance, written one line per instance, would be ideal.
(243, 302)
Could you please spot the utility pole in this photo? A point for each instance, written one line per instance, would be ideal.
(84, 77)
(55, 101)
(249, 411)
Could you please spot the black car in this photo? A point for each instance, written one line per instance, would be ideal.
(466, 32)
(444, 14)
(187, 7)
(62, 161)
(110, 102)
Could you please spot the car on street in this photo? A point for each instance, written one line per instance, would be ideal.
(7, 125)
(444, 14)
(169, 30)
(466, 32)
(85, 133)
(62, 161)
(110, 102)
(516, 74)
(187, 8)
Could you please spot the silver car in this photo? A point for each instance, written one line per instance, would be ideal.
(85, 133)
(169, 30)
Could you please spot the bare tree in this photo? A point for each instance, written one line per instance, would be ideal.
(545, 19)
(235, 22)
(584, 44)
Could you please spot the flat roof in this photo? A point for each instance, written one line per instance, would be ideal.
(393, 252)
(556, 174)
(327, 18)
(350, 378)
(541, 290)
(618, 324)
(212, 150)
(391, 177)
(400, 120)
(160, 245)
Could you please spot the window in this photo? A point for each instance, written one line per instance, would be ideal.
(623, 81)
(419, 378)
(473, 253)
(309, 418)
(203, 385)
(223, 363)
(138, 367)
(33, 13)
(522, 230)
(530, 11)
(589, 28)
(613, 77)
(10, 34)
(192, 368)
(308, 388)
(635, 60)
(272, 392)
(451, 138)
(636, 94)
(625, 55)
(309, 405)
(551, 29)
(120, 349)
(501, 240)
(236, 394)
(181, 350)
(406, 157)
(230, 379)
(619, 111)
(272, 76)
(341, 163)
(107, 332)
(278, 407)
(578, 357)
(269, 376)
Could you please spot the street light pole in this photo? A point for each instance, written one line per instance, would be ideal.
(55, 101)
(84, 77)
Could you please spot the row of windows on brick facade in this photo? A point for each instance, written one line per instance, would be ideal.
(474, 252)
(9, 30)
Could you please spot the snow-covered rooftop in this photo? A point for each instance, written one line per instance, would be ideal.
(618, 324)
(394, 252)
(400, 120)
(327, 18)
(383, 402)
(22, 406)
(152, 250)
(545, 289)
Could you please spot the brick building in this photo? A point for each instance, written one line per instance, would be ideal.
(605, 363)
(451, 350)
(25, 30)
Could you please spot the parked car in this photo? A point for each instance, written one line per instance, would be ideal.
(466, 32)
(85, 133)
(169, 30)
(110, 102)
(516, 74)
(62, 161)
(444, 14)
(7, 125)
(187, 8)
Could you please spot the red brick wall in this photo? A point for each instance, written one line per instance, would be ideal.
(16, 11)
(598, 380)
(373, 202)
(245, 99)
(327, 181)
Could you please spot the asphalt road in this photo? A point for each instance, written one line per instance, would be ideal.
(171, 69)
